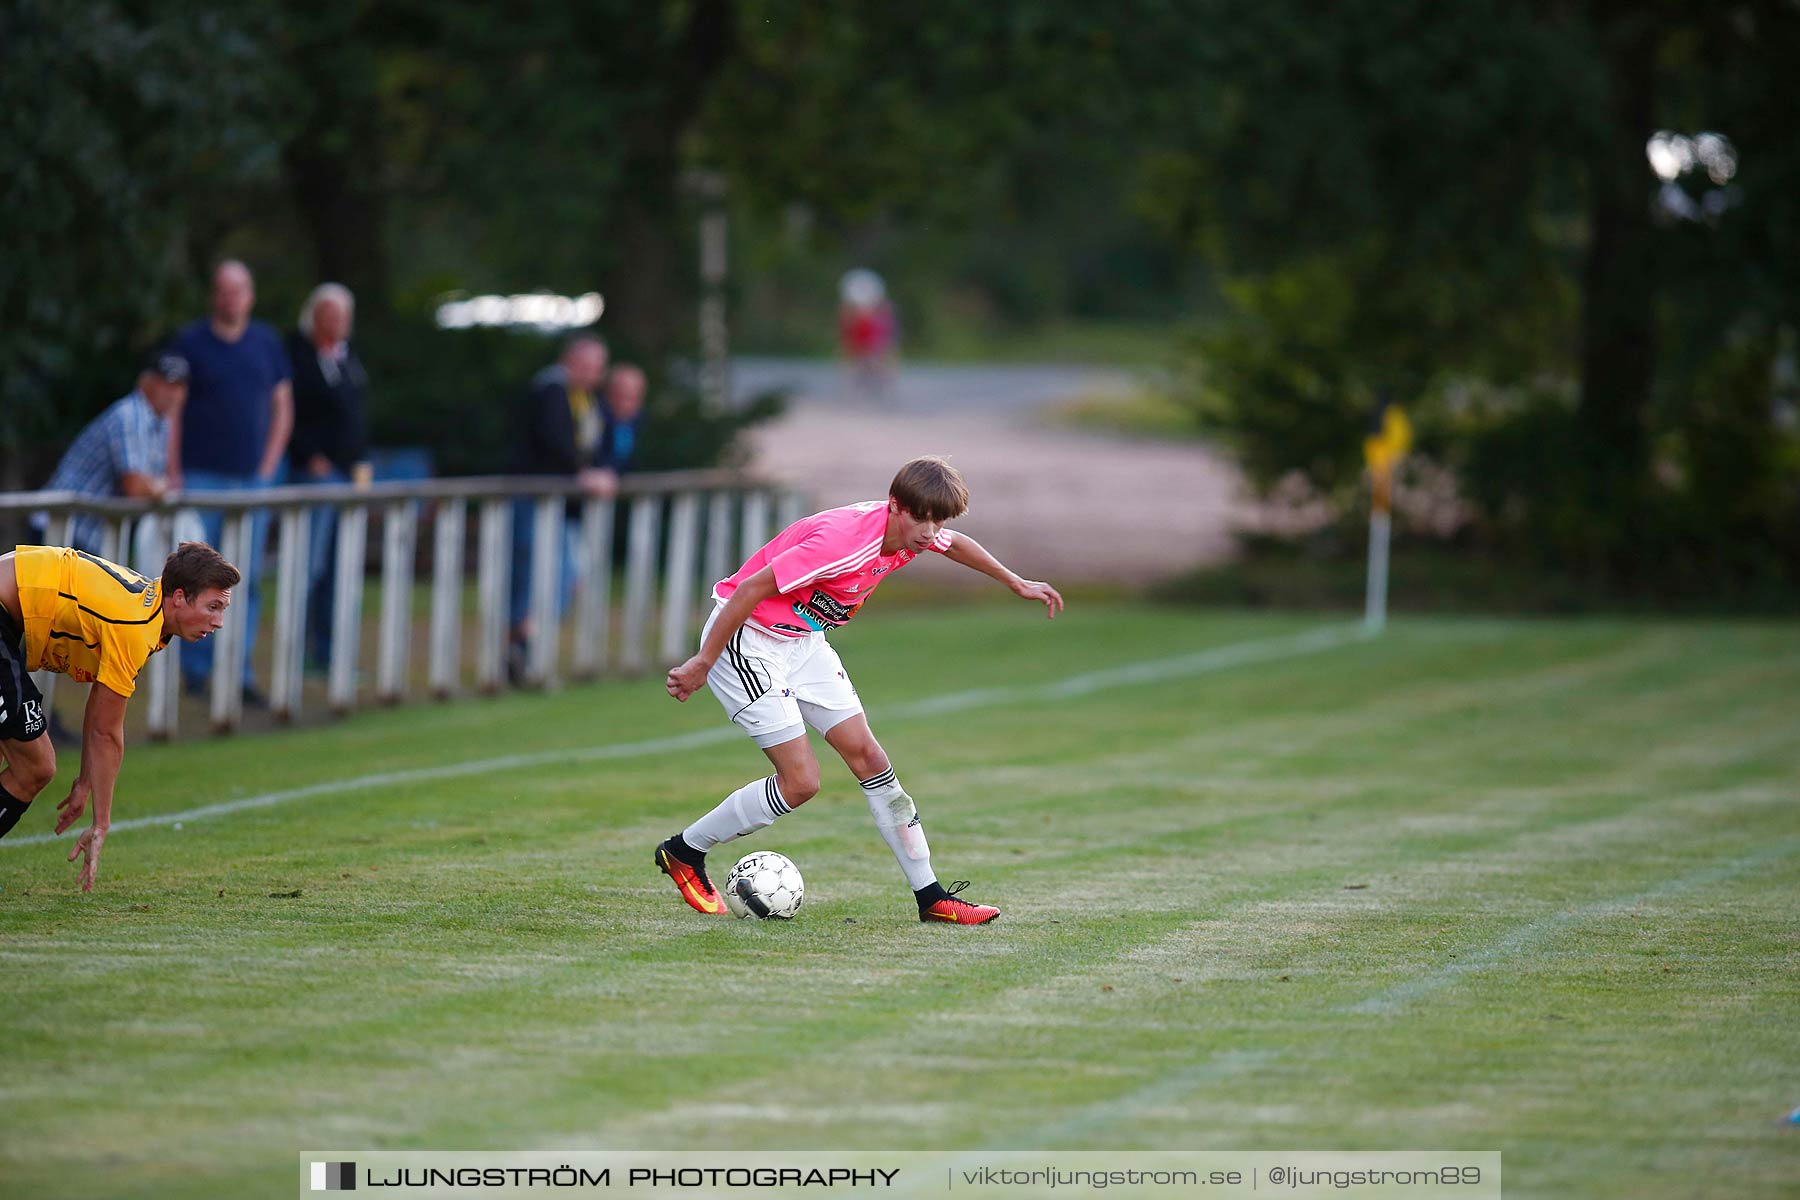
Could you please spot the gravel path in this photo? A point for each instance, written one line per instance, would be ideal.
(1050, 501)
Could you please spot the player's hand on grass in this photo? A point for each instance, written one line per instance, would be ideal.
(73, 804)
(87, 847)
(1033, 589)
(688, 678)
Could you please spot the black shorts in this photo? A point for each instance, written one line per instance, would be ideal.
(22, 716)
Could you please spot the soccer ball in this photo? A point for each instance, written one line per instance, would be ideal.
(765, 885)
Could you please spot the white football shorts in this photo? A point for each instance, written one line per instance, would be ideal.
(774, 687)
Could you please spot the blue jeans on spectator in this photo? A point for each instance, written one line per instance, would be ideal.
(524, 514)
(321, 570)
(246, 598)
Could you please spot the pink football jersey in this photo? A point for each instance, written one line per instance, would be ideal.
(825, 567)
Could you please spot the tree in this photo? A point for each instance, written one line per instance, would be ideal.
(117, 128)
(1454, 202)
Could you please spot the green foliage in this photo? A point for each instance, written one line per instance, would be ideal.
(979, 156)
(458, 392)
(118, 127)
(1281, 387)
(1440, 202)
(680, 430)
(1390, 197)
(454, 392)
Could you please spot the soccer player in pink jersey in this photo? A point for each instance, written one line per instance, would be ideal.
(764, 654)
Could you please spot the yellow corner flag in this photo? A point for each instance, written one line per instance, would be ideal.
(1389, 445)
(1383, 451)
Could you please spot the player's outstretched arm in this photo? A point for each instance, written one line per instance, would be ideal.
(102, 750)
(690, 676)
(970, 553)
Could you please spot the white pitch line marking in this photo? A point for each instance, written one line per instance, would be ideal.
(1532, 935)
(1161, 670)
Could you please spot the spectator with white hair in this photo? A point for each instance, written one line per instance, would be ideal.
(331, 437)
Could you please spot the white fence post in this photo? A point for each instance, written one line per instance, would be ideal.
(593, 601)
(678, 576)
(640, 579)
(346, 607)
(494, 569)
(715, 561)
(546, 592)
(399, 538)
(290, 613)
(446, 597)
(162, 688)
(790, 506)
(234, 635)
(753, 526)
(112, 537)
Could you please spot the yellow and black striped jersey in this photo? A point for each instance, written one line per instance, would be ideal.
(87, 618)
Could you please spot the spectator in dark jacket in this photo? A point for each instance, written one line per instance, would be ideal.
(563, 417)
(561, 432)
(330, 444)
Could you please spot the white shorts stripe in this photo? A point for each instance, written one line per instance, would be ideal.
(773, 687)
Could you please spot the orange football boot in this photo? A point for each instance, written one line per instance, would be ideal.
(691, 882)
(952, 911)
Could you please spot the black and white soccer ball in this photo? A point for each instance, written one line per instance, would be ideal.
(765, 885)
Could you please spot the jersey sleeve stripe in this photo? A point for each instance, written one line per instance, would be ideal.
(842, 566)
(849, 562)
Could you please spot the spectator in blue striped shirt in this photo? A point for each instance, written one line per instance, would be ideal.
(125, 450)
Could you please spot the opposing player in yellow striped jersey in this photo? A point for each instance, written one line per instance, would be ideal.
(76, 614)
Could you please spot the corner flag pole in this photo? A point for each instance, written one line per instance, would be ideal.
(1375, 599)
(1382, 450)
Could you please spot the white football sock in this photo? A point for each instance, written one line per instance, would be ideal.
(898, 821)
(752, 807)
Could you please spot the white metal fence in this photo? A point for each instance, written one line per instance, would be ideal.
(682, 530)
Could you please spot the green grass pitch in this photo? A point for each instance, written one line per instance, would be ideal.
(1481, 885)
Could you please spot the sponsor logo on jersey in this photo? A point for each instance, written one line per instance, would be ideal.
(34, 716)
(879, 570)
(825, 610)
